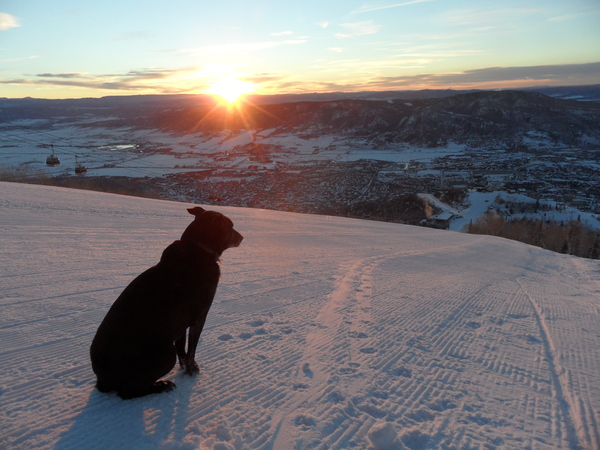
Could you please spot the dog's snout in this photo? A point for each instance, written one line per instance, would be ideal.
(237, 238)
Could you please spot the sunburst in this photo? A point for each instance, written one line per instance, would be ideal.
(230, 90)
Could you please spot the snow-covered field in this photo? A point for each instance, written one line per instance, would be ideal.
(478, 203)
(325, 333)
(138, 153)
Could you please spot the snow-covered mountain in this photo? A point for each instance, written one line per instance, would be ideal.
(326, 333)
(490, 118)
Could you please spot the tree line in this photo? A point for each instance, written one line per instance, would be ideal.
(571, 238)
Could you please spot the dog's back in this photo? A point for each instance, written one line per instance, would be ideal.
(144, 332)
(152, 312)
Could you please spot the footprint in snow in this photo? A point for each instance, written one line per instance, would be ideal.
(358, 335)
(442, 405)
(307, 371)
(368, 350)
(532, 339)
(402, 372)
(305, 421)
(421, 415)
(336, 397)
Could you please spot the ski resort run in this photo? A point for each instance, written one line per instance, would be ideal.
(326, 333)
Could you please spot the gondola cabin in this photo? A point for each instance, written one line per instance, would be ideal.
(52, 160)
(79, 168)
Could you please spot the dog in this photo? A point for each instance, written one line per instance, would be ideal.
(144, 331)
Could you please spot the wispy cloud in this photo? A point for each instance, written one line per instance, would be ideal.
(482, 18)
(566, 17)
(323, 24)
(19, 59)
(360, 66)
(497, 76)
(369, 8)
(253, 46)
(8, 21)
(357, 76)
(358, 29)
(283, 33)
(483, 78)
(62, 75)
(262, 78)
(157, 80)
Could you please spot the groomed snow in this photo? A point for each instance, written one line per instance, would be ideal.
(325, 333)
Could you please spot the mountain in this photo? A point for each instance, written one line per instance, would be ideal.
(482, 118)
(479, 117)
(583, 93)
(326, 332)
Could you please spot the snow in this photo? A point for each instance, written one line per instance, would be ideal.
(325, 333)
(147, 152)
(478, 203)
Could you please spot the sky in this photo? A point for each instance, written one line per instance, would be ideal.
(66, 49)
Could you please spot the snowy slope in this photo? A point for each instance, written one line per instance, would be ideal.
(325, 333)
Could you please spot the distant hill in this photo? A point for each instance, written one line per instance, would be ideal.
(428, 118)
(481, 118)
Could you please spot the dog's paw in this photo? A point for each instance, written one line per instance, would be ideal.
(192, 368)
(163, 386)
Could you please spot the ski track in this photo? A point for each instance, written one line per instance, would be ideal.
(322, 330)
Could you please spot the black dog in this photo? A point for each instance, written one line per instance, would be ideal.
(144, 332)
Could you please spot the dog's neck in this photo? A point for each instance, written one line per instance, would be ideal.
(215, 255)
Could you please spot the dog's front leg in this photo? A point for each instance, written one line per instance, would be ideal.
(180, 349)
(191, 367)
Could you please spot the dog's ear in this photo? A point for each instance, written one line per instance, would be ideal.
(196, 211)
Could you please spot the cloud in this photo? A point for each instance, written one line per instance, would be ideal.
(156, 74)
(480, 17)
(135, 80)
(524, 76)
(357, 77)
(254, 46)
(8, 21)
(484, 78)
(323, 24)
(546, 72)
(61, 75)
(358, 29)
(369, 8)
(262, 78)
(282, 33)
(19, 59)
(566, 17)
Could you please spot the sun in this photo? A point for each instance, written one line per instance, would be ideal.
(230, 89)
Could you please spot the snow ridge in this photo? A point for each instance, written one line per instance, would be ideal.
(326, 333)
